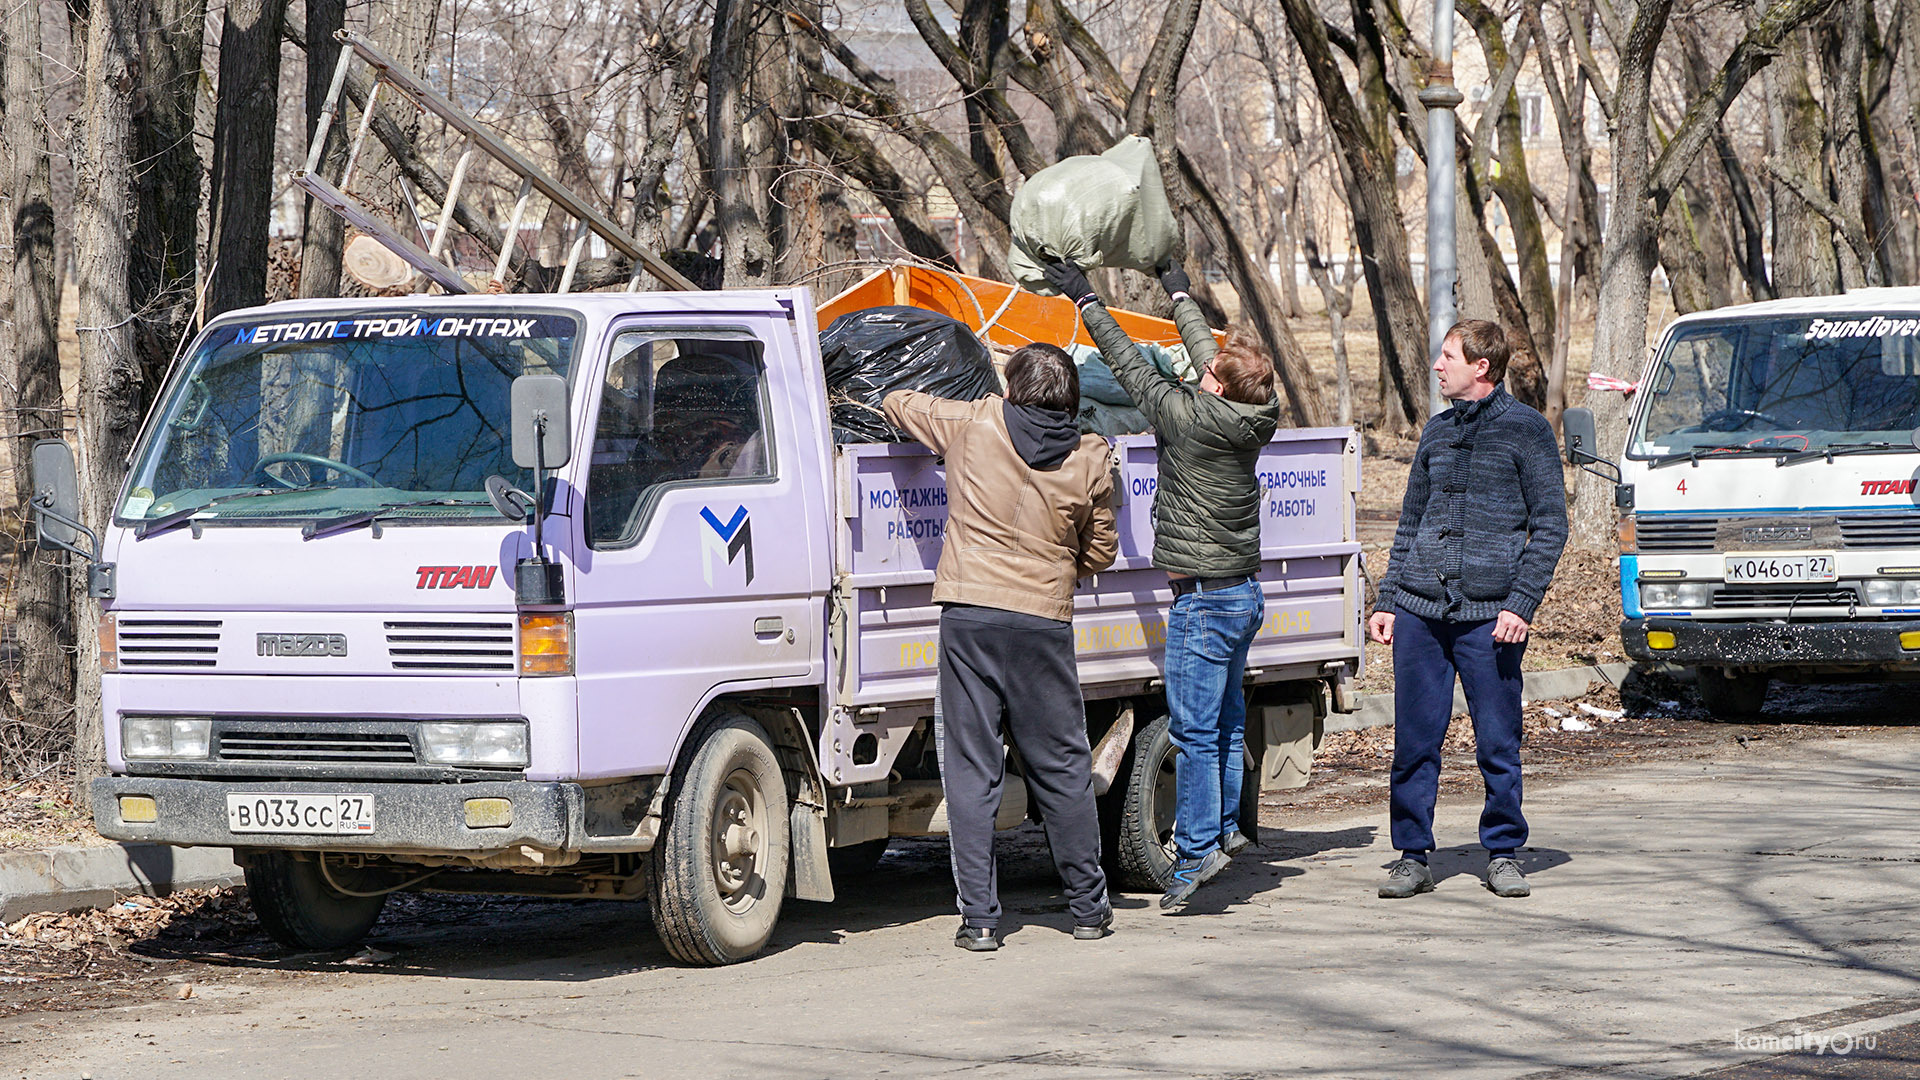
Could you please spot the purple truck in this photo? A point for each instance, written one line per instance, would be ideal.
(575, 596)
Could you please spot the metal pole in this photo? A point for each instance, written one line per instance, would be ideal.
(1440, 97)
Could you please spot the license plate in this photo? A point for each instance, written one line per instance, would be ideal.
(1805, 566)
(316, 815)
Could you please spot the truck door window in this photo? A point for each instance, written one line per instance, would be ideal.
(675, 409)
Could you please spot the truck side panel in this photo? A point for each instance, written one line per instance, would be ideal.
(893, 513)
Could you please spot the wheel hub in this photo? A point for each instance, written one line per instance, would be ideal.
(739, 829)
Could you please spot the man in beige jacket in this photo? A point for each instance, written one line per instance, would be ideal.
(1028, 514)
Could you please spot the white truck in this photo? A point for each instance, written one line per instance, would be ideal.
(1770, 526)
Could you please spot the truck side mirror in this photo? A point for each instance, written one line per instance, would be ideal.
(56, 497)
(1576, 427)
(542, 426)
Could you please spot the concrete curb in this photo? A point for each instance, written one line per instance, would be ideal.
(65, 878)
(1376, 710)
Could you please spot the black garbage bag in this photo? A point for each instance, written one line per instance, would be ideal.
(869, 354)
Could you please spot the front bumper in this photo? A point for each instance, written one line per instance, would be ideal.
(1829, 643)
(415, 819)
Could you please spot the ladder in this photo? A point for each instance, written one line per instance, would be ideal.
(432, 261)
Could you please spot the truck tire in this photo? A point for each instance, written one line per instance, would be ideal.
(1731, 696)
(856, 860)
(299, 908)
(1143, 796)
(720, 868)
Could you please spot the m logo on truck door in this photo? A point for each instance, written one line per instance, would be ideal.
(725, 542)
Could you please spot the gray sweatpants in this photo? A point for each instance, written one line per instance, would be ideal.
(997, 665)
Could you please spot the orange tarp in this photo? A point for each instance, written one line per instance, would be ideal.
(1027, 317)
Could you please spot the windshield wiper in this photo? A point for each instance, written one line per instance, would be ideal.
(1836, 450)
(314, 529)
(1692, 457)
(181, 517)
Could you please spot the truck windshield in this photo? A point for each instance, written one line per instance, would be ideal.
(342, 413)
(1791, 384)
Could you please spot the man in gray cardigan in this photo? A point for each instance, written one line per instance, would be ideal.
(1481, 529)
(1206, 536)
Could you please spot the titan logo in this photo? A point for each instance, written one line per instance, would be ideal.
(725, 542)
(1887, 487)
(301, 644)
(454, 577)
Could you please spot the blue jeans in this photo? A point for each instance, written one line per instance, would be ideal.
(1427, 653)
(1208, 634)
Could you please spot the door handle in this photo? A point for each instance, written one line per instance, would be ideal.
(768, 626)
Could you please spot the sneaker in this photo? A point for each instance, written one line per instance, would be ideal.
(1094, 931)
(1188, 875)
(1234, 843)
(977, 938)
(1505, 879)
(1405, 878)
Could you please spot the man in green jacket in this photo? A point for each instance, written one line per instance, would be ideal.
(1206, 536)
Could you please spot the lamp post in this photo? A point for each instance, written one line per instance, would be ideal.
(1440, 97)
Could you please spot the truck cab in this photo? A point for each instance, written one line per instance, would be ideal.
(1773, 530)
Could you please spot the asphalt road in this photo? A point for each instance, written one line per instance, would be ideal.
(1719, 916)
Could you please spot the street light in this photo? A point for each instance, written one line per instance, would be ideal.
(1440, 97)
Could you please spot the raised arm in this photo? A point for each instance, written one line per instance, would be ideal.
(1166, 403)
(933, 421)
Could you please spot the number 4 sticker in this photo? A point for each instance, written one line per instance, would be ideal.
(1681, 487)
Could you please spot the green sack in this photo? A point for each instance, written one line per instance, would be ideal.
(1109, 210)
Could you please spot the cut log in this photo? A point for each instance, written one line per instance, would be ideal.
(371, 264)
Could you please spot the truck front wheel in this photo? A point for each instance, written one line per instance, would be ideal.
(1142, 799)
(720, 868)
(300, 908)
(1731, 695)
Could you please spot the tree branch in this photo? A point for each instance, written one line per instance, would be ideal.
(976, 84)
(1849, 229)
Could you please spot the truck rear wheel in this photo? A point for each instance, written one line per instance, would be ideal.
(1731, 695)
(720, 868)
(299, 908)
(1143, 799)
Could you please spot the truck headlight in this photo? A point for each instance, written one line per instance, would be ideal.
(174, 738)
(1892, 592)
(1673, 594)
(495, 744)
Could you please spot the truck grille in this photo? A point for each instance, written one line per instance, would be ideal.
(258, 744)
(1797, 596)
(451, 646)
(1674, 534)
(1697, 534)
(160, 644)
(1881, 530)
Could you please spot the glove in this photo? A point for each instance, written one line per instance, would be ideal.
(1174, 280)
(1069, 279)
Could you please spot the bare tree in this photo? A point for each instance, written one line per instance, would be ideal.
(240, 207)
(323, 234)
(30, 376)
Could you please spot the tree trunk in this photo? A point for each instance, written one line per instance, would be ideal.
(167, 178)
(403, 29)
(240, 210)
(743, 236)
(30, 368)
(1804, 263)
(111, 398)
(1848, 26)
(323, 233)
(1367, 170)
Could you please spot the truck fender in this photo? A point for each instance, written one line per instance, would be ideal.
(809, 877)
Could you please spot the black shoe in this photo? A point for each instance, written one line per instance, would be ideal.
(977, 938)
(1094, 931)
(1234, 843)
